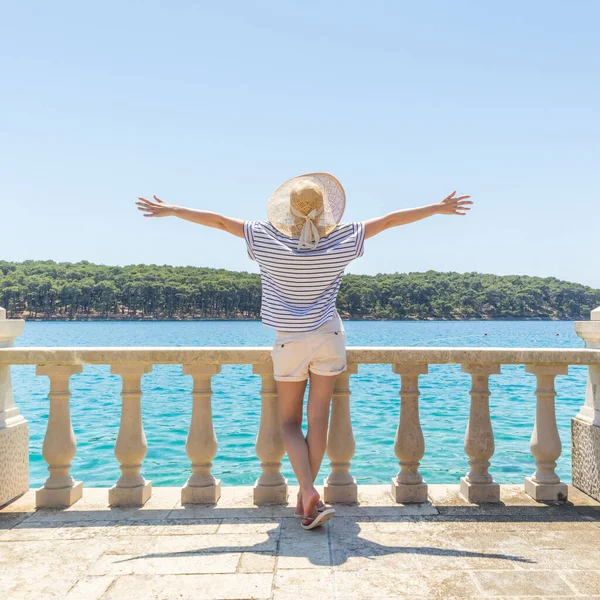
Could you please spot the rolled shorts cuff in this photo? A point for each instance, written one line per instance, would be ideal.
(278, 378)
(332, 373)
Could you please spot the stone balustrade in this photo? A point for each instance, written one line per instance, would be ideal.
(131, 364)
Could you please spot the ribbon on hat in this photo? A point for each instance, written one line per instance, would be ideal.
(309, 236)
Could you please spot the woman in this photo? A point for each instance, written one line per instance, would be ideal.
(302, 251)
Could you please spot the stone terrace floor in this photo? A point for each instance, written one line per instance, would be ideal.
(376, 549)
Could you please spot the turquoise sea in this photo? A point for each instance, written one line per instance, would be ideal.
(95, 404)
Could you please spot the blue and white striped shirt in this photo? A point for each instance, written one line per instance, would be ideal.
(300, 287)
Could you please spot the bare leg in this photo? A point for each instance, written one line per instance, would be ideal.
(291, 396)
(319, 403)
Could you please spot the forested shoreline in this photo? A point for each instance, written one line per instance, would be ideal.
(46, 290)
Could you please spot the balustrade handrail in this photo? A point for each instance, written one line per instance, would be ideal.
(261, 355)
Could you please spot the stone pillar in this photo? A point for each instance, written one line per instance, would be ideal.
(201, 446)
(585, 427)
(340, 486)
(59, 445)
(478, 485)
(14, 434)
(545, 485)
(271, 487)
(131, 488)
(409, 444)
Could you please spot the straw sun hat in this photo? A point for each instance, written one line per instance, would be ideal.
(307, 207)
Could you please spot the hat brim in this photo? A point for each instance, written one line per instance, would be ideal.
(334, 203)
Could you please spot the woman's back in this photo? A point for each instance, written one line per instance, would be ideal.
(300, 286)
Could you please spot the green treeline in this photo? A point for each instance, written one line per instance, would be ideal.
(50, 290)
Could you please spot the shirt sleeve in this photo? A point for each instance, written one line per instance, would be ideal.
(359, 227)
(249, 227)
(356, 238)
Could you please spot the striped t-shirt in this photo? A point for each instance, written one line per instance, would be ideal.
(299, 287)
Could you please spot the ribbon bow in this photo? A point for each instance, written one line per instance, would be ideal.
(309, 236)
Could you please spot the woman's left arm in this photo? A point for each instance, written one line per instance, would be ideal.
(450, 205)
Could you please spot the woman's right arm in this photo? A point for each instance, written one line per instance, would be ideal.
(158, 208)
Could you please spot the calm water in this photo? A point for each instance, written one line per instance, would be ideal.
(95, 404)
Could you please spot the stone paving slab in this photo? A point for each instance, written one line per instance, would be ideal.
(445, 548)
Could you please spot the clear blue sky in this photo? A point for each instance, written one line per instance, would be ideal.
(212, 105)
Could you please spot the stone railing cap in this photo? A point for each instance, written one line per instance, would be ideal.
(261, 355)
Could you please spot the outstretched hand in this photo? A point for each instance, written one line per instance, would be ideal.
(154, 209)
(454, 205)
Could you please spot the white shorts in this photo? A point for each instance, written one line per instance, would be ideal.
(321, 351)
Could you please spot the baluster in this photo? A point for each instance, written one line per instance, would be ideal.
(201, 446)
(545, 484)
(59, 445)
(271, 487)
(340, 486)
(409, 445)
(131, 488)
(478, 485)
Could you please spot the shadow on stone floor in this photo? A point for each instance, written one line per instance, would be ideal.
(335, 551)
(349, 536)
